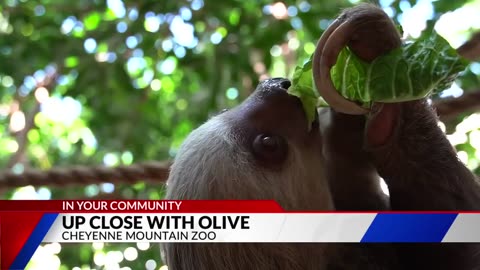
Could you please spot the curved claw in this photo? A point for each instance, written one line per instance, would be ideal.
(325, 56)
(374, 34)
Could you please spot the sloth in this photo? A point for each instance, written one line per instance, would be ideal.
(266, 149)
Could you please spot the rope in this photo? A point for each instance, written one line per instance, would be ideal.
(84, 175)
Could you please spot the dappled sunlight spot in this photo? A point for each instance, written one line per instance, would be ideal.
(183, 32)
(10, 145)
(442, 126)
(143, 245)
(25, 193)
(232, 93)
(156, 84)
(457, 138)
(54, 248)
(414, 19)
(279, 11)
(18, 168)
(292, 11)
(152, 22)
(131, 42)
(110, 159)
(293, 44)
(216, 38)
(39, 10)
(30, 82)
(5, 26)
(106, 57)
(91, 190)
(45, 194)
(117, 7)
(107, 187)
(39, 75)
(296, 23)
(127, 157)
(469, 123)
(386, 3)
(276, 50)
(38, 151)
(474, 137)
(4, 111)
(45, 257)
(167, 66)
(180, 51)
(167, 45)
(62, 110)
(98, 245)
(114, 256)
(68, 24)
(99, 258)
(463, 156)
(181, 104)
(150, 265)
(88, 138)
(309, 48)
(7, 81)
(17, 121)
(148, 76)
(164, 267)
(304, 6)
(185, 13)
(389, 11)
(197, 4)
(90, 45)
(135, 65)
(41, 94)
(475, 68)
(130, 254)
(133, 14)
(464, 19)
(453, 91)
(122, 27)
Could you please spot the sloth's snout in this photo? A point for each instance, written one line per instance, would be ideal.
(275, 84)
(282, 83)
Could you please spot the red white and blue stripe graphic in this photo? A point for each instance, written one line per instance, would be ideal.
(26, 224)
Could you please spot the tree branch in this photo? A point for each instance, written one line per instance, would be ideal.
(450, 108)
(471, 49)
(21, 136)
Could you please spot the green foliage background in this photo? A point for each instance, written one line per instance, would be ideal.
(124, 86)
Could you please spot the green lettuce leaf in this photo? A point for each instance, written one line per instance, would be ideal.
(413, 71)
(410, 72)
(304, 88)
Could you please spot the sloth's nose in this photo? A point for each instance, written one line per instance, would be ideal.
(281, 82)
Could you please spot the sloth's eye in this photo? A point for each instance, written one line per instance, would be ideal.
(270, 148)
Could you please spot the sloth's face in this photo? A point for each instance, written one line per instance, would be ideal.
(270, 123)
(262, 149)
